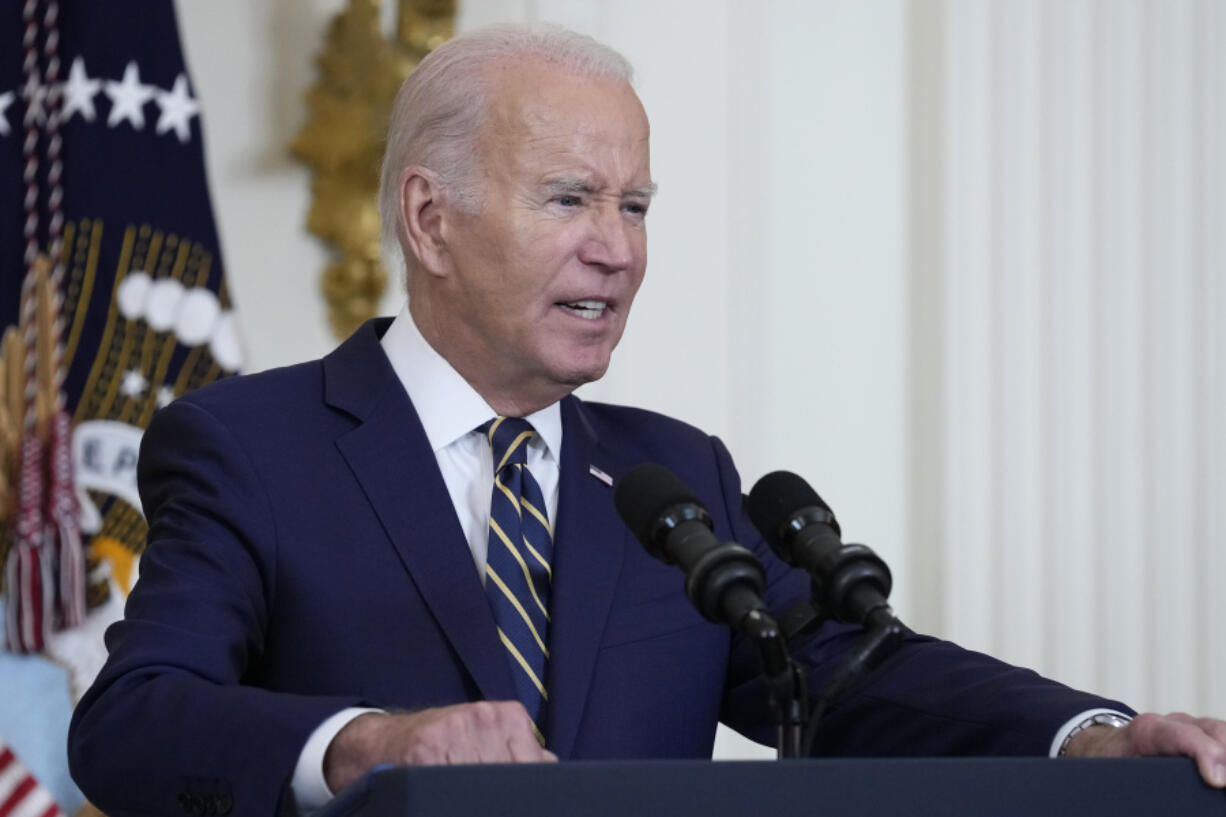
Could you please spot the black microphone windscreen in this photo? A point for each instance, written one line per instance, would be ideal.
(776, 497)
(644, 493)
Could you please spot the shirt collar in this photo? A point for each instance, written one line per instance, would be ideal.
(448, 407)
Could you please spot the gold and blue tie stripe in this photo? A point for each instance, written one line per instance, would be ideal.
(517, 571)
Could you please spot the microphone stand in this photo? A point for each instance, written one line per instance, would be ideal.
(785, 683)
(848, 582)
(883, 633)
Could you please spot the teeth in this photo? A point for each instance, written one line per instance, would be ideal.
(586, 309)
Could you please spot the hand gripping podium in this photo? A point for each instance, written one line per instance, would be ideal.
(929, 787)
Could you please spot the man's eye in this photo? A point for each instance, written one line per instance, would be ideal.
(569, 201)
(635, 208)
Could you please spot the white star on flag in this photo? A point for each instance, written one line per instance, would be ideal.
(79, 93)
(177, 109)
(6, 99)
(166, 396)
(133, 384)
(128, 98)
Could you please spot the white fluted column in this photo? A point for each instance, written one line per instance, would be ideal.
(1073, 385)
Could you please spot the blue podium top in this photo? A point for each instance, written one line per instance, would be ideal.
(913, 787)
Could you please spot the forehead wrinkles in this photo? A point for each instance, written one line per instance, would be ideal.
(538, 115)
(534, 154)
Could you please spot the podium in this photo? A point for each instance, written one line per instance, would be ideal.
(926, 787)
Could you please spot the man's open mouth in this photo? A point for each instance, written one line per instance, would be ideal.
(591, 310)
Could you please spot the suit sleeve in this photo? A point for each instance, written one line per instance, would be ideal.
(171, 725)
(931, 698)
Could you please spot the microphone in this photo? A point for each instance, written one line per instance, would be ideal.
(850, 582)
(722, 579)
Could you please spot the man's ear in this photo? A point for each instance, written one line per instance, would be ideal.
(421, 218)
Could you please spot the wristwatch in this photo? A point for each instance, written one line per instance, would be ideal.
(1101, 719)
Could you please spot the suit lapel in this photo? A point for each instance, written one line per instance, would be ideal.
(589, 543)
(391, 459)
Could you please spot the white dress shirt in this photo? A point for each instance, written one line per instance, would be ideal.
(450, 411)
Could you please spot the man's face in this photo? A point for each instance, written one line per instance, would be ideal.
(542, 278)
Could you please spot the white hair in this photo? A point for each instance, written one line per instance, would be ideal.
(438, 113)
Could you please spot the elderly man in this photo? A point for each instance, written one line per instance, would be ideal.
(407, 552)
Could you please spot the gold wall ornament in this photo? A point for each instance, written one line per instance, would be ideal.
(342, 141)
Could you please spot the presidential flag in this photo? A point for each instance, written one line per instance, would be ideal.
(113, 294)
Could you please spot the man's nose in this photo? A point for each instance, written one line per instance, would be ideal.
(611, 242)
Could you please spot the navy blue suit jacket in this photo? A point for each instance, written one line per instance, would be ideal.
(304, 556)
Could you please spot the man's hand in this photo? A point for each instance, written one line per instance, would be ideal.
(482, 732)
(1177, 734)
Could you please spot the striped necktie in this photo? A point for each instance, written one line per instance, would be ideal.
(517, 572)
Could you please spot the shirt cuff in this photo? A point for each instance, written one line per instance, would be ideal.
(308, 784)
(1068, 727)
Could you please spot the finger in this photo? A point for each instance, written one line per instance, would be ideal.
(471, 734)
(1214, 757)
(463, 751)
(523, 741)
(1174, 735)
(451, 736)
(1211, 761)
(487, 731)
(1215, 728)
(524, 748)
(494, 749)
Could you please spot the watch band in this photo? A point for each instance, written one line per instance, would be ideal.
(1111, 719)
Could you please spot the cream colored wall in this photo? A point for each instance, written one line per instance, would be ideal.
(1069, 254)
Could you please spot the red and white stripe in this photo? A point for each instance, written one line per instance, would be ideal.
(21, 795)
